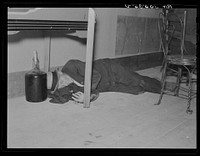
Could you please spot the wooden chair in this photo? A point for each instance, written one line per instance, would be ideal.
(182, 65)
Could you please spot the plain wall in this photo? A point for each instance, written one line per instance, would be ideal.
(22, 45)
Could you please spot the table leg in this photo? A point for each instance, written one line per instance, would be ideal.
(89, 57)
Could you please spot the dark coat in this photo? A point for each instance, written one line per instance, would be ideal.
(107, 75)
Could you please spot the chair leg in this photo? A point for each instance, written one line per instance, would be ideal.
(178, 81)
(187, 81)
(189, 111)
(163, 81)
(164, 72)
(163, 64)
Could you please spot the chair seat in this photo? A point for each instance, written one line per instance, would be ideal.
(189, 60)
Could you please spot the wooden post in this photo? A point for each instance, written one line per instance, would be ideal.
(89, 57)
(47, 50)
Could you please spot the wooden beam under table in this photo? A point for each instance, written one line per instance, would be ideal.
(89, 57)
(47, 51)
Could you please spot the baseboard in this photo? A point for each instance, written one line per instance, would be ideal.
(140, 62)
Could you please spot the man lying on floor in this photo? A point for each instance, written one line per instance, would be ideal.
(107, 76)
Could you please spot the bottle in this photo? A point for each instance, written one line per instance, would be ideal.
(35, 82)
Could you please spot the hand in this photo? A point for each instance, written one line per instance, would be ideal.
(78, 97)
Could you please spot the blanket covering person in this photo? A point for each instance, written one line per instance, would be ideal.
(107, 76)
